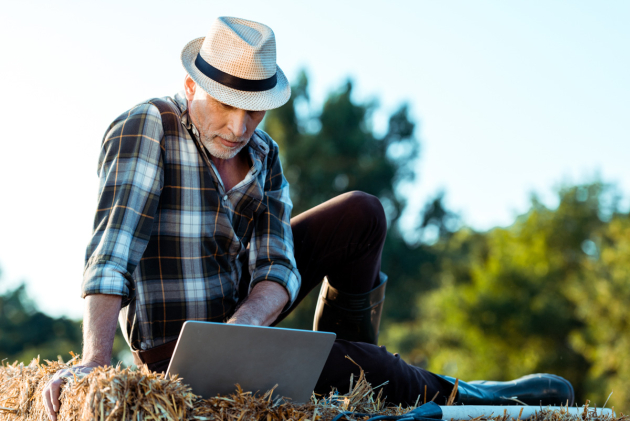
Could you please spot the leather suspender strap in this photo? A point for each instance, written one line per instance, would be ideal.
(170, 121)
(154, 355)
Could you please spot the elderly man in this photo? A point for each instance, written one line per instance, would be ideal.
(193, 223)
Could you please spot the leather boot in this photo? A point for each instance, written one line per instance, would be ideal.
(353, 317)
(534, 389)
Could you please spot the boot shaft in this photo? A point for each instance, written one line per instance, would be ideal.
(353, 317)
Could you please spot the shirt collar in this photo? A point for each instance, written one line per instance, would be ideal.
(256, 142)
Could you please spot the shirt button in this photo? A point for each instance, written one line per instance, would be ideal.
(225, 198)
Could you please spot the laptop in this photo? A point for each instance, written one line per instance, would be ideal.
(213, 357)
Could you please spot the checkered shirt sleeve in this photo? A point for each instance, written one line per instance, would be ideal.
(271, 249)
(130, 170)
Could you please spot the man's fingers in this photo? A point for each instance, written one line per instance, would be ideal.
(51, 395)
(48, 401)
(52, 391)
(55, 388)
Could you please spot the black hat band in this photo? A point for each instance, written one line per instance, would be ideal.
(234, 82)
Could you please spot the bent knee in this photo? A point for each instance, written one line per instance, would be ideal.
(365, 202)
(366, 208)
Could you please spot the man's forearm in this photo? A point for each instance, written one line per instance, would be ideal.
(99, 327)
(263, 305)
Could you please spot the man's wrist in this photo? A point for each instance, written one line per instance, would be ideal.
(94, 363)
(262, 306)
(245, 316)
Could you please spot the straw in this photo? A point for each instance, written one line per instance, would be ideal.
(116, 393)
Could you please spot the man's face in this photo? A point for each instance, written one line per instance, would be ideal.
(223, 129)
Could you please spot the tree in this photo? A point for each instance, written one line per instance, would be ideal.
(533, 297)
(335, 150)
(342, 154)
(26, 333)
(601, 297)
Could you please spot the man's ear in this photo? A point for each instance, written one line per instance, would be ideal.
(190, 87)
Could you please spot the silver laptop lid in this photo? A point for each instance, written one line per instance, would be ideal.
(213, 357)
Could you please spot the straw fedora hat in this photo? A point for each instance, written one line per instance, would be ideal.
(236, 64)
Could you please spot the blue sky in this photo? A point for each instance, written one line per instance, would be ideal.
(511, 98)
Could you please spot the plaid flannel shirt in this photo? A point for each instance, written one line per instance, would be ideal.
(167, 236)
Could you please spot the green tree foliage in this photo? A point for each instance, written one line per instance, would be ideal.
(602, 296)
(335, 150)
(27, 333)
(545, 294)
(342, 153)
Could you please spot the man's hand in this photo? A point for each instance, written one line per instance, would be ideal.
(53, 388)
(99, 328)
(263, 305)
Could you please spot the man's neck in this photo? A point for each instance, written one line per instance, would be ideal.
(232, 171)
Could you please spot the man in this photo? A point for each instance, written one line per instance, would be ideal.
(193, 223)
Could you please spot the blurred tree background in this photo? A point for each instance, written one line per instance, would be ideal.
(26, 333)
(545, 294)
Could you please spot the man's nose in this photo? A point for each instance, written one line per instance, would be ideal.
(238, 122)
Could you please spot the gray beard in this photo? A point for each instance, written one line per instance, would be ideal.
(218, 150)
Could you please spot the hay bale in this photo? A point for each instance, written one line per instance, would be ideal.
(114, 393)
(107, 393)
(21, 387)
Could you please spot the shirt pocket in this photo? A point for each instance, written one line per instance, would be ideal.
(246, 217)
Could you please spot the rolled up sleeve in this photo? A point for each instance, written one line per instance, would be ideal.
(271, 251)
(131, 179)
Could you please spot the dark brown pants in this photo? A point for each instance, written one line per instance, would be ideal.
(342, 239)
